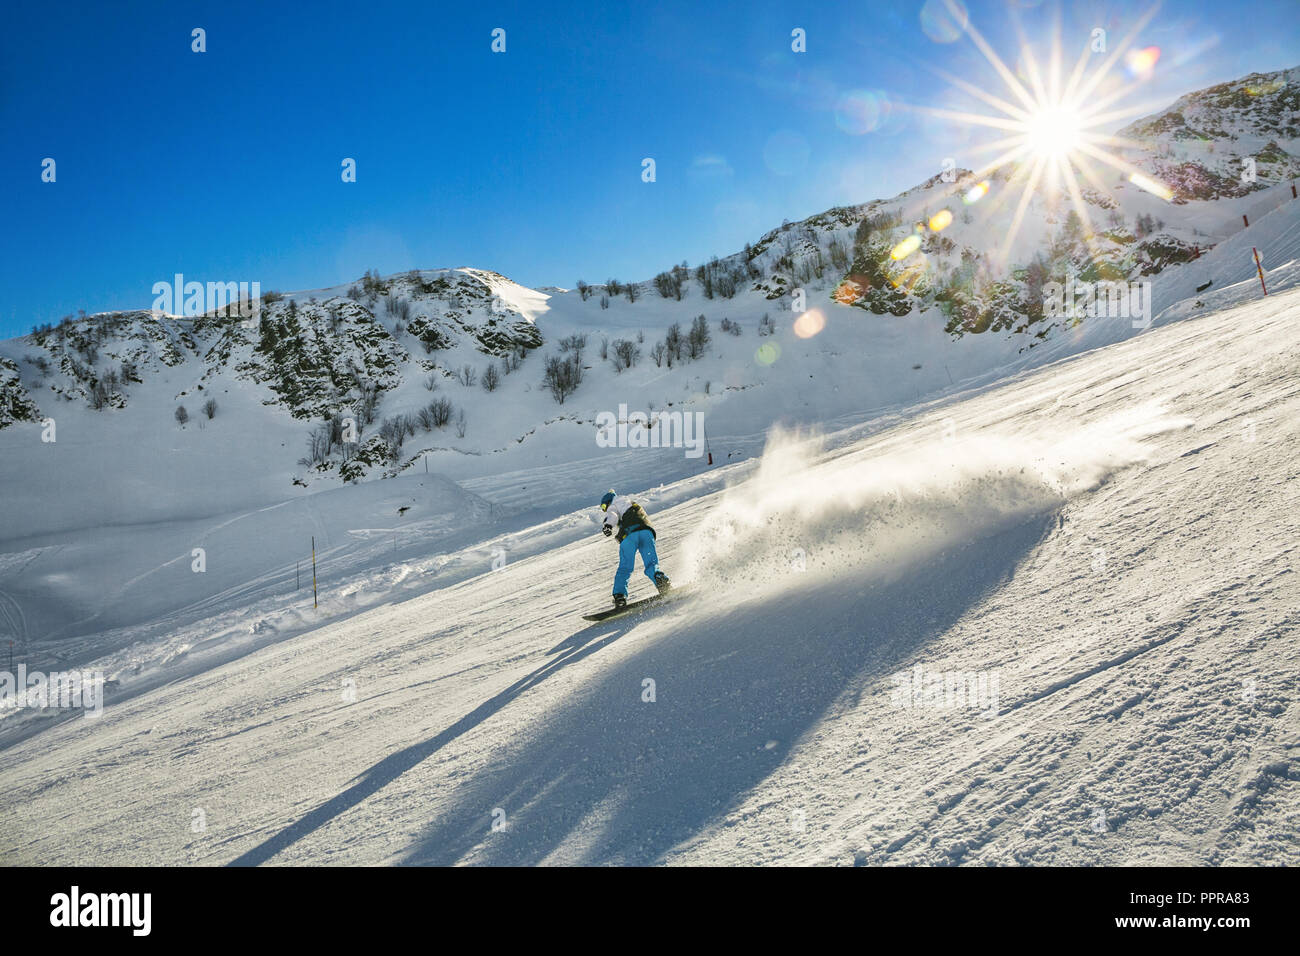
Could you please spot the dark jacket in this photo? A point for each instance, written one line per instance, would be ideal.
(632, 519)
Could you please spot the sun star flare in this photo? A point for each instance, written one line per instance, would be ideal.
(1050, 123)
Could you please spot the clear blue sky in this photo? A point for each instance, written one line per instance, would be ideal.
(225, 165)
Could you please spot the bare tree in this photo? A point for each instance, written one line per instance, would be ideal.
(440, 409)
(626, 354)
(673, 340)
(393, 432)
(182, 415)
(318, 446)
(367, 403)
(491, 378)
(576, 343)
(839, 254)
(698, 337)
(210, 408)
(669, 284)
(562, 377)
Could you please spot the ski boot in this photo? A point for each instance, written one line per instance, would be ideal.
(620, 600)
(662, 582)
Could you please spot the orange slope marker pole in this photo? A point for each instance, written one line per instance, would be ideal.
(1259, 269)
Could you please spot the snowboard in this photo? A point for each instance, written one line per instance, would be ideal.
(632, 607)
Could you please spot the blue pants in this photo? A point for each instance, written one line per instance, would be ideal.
(644, 542)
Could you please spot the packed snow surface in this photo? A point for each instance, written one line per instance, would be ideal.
(1050, 619)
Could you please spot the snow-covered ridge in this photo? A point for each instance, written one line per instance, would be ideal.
(1201, 143)
(448, 368)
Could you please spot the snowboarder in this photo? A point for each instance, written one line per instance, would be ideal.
(634, 534)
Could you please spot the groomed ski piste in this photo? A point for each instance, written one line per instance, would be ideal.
(1092, 560)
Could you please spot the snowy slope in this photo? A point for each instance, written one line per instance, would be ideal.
(91, 564)
(1225, 275)
(1230, 269)
(1113, 537)
(395, 334)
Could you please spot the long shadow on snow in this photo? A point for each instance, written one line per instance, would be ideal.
(580, 645)
(617, 780)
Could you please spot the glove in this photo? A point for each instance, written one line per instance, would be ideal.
(608, 529)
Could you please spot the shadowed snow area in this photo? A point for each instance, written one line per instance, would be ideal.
(1051, 622)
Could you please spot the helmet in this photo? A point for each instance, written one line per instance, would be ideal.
(606, 500)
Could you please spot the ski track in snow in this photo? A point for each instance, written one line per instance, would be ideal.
(1138, 603)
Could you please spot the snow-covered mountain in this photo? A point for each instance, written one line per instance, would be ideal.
(972, 631)
(365, 351)
(446, 370)
(1200, 145)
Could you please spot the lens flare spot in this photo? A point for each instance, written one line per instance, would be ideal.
(809, 324)
(767, 353)
(941, 220)
(1141, 63)
(976, 193)
(1265, 88)
(944, 21)
(906, 247)
(1151, 186)
(859, 111)
(851, 289)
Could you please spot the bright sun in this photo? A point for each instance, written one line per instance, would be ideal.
(1052, 121)
(1054, 132)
